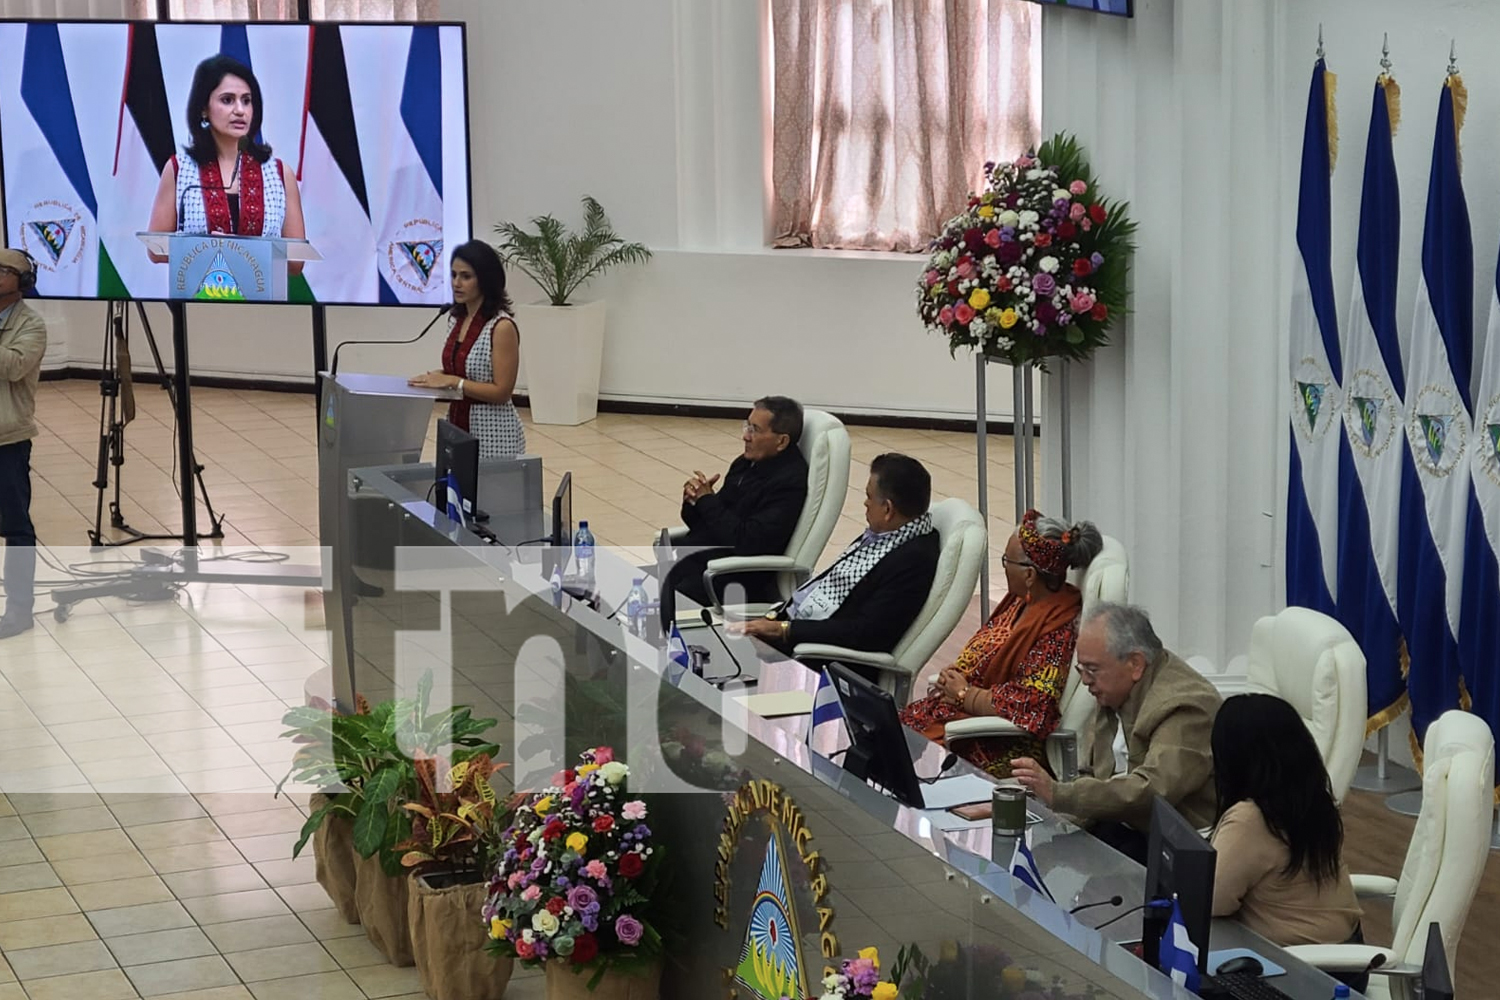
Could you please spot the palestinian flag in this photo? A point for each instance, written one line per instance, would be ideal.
(331, 174)
(143, 145)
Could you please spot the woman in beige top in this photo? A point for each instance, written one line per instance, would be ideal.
(1279, 836)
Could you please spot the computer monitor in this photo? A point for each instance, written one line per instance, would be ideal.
(1437, 982)
(878, 753)
(1180, 864)
(562, 513)
(458, 453)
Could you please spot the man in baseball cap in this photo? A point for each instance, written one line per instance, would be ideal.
(23, 341)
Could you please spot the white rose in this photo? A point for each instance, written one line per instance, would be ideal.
(1062, 194)
(1048, 264)
(544, 923)
(1035, 174)
(1008, 218)
(614, 772)
(831, 983)
(1029, 219)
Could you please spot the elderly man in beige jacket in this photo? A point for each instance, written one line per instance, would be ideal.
(1149, 735)
(23, 341)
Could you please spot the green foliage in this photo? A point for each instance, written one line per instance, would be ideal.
(561, 261)
(373, 757)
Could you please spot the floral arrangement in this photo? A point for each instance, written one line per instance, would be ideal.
(859, 979)
(1035, 266)
(576, 874)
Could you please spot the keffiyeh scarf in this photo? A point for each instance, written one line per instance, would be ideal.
(818, 599)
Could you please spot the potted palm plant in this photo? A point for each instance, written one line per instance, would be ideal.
(562, 341)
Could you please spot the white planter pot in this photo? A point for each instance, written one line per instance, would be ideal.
(562, 348)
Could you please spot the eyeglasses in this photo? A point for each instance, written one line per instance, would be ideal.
(750, 428)
(1006, 560)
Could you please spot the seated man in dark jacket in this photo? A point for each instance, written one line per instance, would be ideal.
(753, 514)
(873, 592)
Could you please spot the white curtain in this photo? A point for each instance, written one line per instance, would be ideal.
(78, 9)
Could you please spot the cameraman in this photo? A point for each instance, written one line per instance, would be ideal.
(23, 341)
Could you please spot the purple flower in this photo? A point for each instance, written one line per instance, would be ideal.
(590, 921)
(642, 831)
(581, 897)
(628, 930)
(1096, 259)
(1044, 284)
(1040, 330)
(861, 972)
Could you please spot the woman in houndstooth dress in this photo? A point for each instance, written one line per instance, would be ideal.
(482, 355)
(227, 181)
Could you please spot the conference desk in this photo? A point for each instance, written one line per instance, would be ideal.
(780, 862)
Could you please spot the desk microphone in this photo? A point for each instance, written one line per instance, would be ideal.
(1111, 901)
(1163, 904)
(948, 762)
(708, 619)
(334, 368)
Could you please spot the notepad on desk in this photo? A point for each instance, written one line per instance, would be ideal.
(777, 704)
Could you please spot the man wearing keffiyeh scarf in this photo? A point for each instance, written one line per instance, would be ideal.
(876, 588)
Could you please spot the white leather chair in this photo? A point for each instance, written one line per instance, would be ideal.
(1107, 578)
(1444, 863)
(964, 542)
(825, 445)
(1312, 662)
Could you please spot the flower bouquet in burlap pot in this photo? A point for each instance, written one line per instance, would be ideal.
(1036, 265)
(573, 888)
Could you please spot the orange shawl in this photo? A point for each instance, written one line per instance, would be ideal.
(989, 663)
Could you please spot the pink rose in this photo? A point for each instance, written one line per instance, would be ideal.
(992, 238)
(603, 755)
(945, 316)
(933, 277)
(963, 313)
(595, 869)
(1077, 211)
(514, 880)
(966, 268)
(531, 893)
(1082, 302)
(1078, 187)
(635, 810)
(1087, 225)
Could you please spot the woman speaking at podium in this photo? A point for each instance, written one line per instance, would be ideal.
(229, 182)
(482, 355)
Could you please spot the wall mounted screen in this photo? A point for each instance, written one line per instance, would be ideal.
(355, 138)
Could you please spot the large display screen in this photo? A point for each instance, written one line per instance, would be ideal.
(350, 136)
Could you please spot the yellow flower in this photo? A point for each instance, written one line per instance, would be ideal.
(986, 211)
(1008, 319)
(543, 805)
(1013, 979)
(584, 769)
(979, 298)
(884, 991)
(577, 842)
(499, 928)
(873, 954)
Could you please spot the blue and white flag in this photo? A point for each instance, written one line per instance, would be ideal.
(826, 707)
(1439, 428)
(53, 211)
(677, 650)
(1179, 956)
(1024, 869)
(1376, 449)
(1312, 489)
(1479, 623)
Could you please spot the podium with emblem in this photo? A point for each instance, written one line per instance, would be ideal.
(220, 267)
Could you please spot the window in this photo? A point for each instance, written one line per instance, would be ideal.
(884, 113)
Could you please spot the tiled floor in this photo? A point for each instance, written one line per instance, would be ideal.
(141, 850)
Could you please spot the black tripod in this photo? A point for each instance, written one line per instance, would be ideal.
(113, 416)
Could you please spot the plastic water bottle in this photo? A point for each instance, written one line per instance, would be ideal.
(556, 584)
(583, 551)
(1341, 992)
(635, 606)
